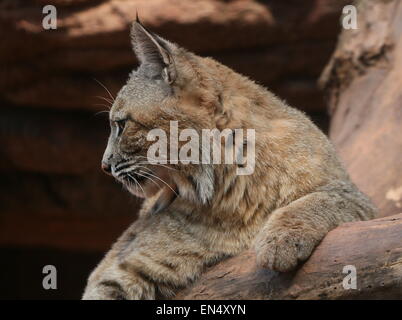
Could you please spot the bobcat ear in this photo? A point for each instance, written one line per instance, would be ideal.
(153, 53)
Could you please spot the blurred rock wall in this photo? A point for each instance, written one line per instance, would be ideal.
(52, 192)
(363, 80)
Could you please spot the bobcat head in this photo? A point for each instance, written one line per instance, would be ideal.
(170, 84)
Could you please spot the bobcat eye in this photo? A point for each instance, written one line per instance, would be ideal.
(120, 126)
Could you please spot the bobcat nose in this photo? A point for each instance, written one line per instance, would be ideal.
(106, 168)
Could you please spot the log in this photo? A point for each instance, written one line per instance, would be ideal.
(373, 247)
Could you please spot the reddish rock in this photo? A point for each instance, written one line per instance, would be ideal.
(363, 81)
(54, 68)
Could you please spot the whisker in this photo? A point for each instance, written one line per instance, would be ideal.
(124, 165)
(160, 180)
(105, 99)
(149, 178)
(135, 180)
(103, 111)
(157, 164)
(105, 88)
(144, 168)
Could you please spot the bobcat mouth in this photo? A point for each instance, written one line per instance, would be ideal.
(141, 180)
(126, 172)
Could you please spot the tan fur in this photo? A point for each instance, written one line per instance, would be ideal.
(297, 193)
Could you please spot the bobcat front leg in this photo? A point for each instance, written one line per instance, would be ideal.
(110, 281)
(151, 260)
(292, 232)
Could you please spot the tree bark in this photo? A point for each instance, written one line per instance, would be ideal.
(373, 247)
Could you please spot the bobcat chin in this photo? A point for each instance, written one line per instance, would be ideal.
(196, 214)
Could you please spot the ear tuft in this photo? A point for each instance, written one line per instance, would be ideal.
(153, 52)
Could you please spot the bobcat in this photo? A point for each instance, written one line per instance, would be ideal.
(196, 214)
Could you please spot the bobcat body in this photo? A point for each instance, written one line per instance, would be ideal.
(197, 214)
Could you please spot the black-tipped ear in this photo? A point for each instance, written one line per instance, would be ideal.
(153, 53)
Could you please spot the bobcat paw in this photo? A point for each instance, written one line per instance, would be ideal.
(105, 290)
(283, 250)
